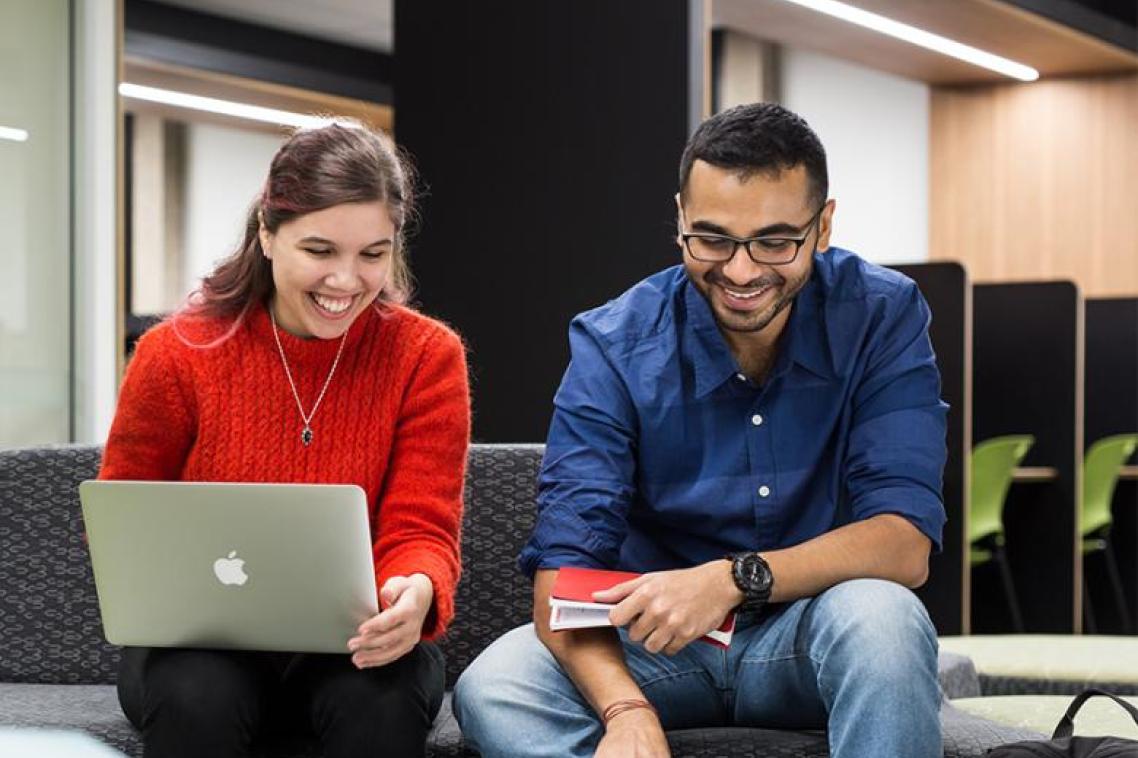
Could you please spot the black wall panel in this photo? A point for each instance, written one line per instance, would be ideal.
(946, 288)
(1025, 366)
(549, 136)
(1112, 408)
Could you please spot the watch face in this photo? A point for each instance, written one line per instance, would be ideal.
(756, 573)
(752, 576)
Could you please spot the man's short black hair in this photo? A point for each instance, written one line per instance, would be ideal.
(760, 138)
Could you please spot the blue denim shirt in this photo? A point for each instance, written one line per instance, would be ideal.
(662, 455)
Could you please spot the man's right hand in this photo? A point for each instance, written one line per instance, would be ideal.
(634, 734)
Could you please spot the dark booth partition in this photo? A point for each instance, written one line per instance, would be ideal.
(548, 135)
(1027, 379)
(947, 290)
(1112, 408)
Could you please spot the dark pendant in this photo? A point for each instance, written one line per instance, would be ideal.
(306, 436)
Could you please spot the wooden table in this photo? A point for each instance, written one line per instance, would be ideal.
(1035, 474)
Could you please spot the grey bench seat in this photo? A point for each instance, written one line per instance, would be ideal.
(1050, 664)
(57, 671)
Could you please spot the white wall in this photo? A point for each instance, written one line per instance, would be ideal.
(98, 338)
(875, 128)
(225, 170)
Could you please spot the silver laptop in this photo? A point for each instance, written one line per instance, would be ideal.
(246, 566)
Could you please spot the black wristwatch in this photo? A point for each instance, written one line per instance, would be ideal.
(753, 577)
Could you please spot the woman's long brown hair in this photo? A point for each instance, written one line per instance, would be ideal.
(316, 168)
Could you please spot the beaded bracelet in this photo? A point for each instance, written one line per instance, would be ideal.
(622, 706)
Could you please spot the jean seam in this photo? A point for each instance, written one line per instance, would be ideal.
(776, 658)
(673, 675)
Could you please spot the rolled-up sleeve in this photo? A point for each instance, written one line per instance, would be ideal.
(896, 454)
(587, 478)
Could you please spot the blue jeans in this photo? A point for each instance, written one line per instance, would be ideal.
(858, 660)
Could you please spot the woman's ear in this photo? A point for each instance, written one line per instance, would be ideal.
(264, 236)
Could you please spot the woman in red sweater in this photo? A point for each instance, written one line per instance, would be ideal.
(295, 362)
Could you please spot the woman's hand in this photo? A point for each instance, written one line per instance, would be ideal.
(396, 629)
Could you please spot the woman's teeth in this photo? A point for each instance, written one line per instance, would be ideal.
(332, 304)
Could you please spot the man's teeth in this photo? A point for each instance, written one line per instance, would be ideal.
(332, 304)
(745, 295)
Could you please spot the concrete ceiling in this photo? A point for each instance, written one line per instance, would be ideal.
(364, 23)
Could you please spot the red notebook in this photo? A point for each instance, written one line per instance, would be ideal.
(572, 605)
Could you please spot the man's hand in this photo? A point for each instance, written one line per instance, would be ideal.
(390, 634)
(634, 734)
(666, 610)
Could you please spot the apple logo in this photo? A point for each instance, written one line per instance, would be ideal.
(230, 570)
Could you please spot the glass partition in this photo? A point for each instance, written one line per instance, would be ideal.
(35, 216)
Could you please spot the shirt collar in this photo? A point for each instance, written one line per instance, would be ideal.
(805, 342)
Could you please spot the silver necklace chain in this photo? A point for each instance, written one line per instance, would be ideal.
(306, 433)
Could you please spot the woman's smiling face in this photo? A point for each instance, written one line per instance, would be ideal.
(328, 266)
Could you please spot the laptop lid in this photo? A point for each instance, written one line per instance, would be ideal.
(218, 565)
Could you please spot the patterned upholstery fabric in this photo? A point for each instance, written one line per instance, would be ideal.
(1014, 685)
(493, 596)
(55, 669)
(50, 631)
(957, 675)
(968, 735)
(92, 708)
(965, 736)
(1050, 664)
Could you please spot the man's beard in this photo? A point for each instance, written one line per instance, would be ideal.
(753, 322)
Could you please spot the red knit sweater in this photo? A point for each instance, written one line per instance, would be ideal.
(395, 420)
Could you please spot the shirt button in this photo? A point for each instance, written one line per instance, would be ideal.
(757, 420)
(764, 491)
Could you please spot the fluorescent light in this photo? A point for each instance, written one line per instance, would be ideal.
(224, 107)
(16, 135)
(920, 37)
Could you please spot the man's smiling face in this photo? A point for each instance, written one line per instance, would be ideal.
(746, 296)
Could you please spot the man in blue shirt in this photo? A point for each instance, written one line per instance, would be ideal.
(758, 430)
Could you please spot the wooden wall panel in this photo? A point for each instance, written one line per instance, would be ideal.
(1038, 181)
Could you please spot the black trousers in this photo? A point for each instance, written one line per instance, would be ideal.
(216, 703)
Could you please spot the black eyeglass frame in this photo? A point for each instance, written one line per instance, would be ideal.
(746, 243)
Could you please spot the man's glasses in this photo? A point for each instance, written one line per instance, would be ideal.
(769, 251)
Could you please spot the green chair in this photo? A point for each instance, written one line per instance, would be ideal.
(1100, 475)
(993, 463)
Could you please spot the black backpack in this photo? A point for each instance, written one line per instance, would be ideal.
(1063, 745)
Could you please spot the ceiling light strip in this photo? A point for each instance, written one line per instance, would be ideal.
(920, 37)
(223, 107)
(11, 133)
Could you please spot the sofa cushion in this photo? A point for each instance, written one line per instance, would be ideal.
(90, 708)
(50, 630)
(967, 735)
(94, 709)
(957, 675)
(1050, 664)
(445, 739)
(1098, 717)
(493, 597)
